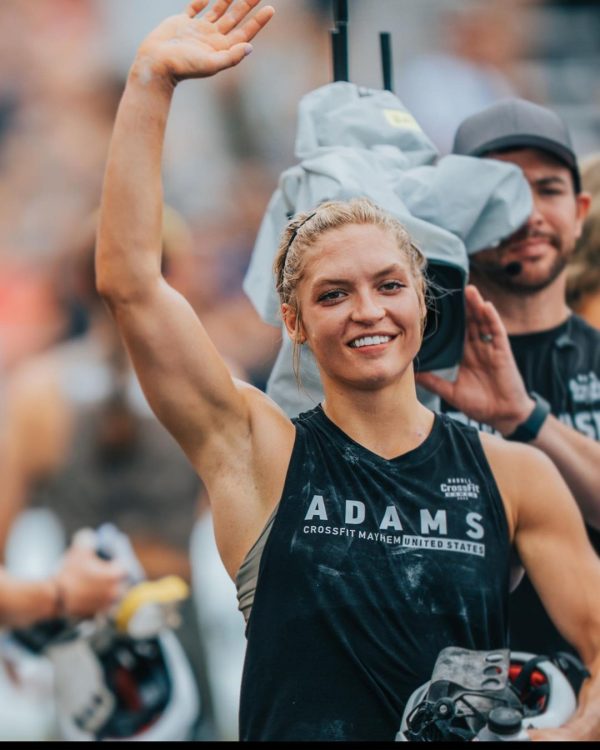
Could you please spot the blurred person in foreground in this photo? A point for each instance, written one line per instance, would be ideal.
(583, 272)
(81, 441)
(336, 636)
(542, 385)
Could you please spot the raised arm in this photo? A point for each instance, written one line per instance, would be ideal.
(186, 381)
(236, 438)
(490, 389)
(552, 544)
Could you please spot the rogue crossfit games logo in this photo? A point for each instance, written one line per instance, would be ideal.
(460, 488)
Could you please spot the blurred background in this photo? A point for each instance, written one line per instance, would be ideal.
(62, 68)
(63, 64)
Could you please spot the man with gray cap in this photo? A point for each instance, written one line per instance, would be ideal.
(534, 376)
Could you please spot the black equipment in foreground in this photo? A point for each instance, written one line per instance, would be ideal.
(385, 43)
(339, 41)
(467, 686)
(340, 53)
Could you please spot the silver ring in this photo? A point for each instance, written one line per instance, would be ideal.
(487, 338)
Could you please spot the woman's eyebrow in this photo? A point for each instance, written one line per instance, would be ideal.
(330, 282)
(396, 268)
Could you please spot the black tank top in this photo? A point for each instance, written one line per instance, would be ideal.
(371, 568)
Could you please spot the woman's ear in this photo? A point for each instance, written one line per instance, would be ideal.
(292, 324)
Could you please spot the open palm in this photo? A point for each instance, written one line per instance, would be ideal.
(488, 387)
(187, 46)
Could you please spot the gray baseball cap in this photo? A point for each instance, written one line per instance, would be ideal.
(517, 123)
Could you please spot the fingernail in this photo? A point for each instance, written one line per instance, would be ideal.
(248, 50)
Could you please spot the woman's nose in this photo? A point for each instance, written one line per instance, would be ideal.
(367, 308)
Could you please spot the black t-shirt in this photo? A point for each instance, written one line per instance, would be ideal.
(371, 568)
(563, 366)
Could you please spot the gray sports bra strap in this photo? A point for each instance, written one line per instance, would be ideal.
(247, 575)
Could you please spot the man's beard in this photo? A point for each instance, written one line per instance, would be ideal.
(502, 274)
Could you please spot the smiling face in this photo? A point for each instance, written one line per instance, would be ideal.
(362, 307)
(545, 244)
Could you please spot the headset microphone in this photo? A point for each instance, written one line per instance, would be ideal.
(513, 269)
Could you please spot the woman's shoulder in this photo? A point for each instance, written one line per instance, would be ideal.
(512, 457)
(497, 445)
(521, 471)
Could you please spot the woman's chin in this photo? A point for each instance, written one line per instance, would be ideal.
(375, 379)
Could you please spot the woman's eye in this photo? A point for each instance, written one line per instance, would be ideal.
(331, 296)
(392, 286)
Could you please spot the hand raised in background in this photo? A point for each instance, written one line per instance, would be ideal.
(189, 46)
(488, 387)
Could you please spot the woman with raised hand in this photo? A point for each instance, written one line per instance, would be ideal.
(367, 534)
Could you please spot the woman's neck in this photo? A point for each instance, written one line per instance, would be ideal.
(389, 422)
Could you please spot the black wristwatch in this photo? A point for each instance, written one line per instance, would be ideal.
(529, 429)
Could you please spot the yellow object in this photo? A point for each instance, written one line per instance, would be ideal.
(166, 591)
(400, 119)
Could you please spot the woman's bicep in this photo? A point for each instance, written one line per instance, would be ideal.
(554, 547)
(182, 374)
